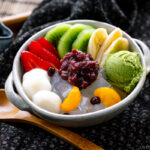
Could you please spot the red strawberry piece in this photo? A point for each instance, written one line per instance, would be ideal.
(43, 53)
(31, 61)
(47, 45)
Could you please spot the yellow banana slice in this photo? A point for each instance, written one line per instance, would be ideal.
(117, 45)
(112, 37)
(97, 39)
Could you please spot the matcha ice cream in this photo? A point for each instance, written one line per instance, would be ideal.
(123, 69)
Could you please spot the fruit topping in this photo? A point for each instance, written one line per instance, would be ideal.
(56, 33)
(107, 95)
(82, 40)
(120, 44)
(72, 101)
(47, 45)
(79, 69)
(31, 61)
(43, 53)
(95, 100)
(47, 100)
(97, 39)
(66, 41)
(51, 71)
(112, 37)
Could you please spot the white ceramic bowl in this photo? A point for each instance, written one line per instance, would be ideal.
(20, 99)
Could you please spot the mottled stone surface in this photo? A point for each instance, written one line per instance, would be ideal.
(129, 130)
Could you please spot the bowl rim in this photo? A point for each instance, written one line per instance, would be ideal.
(55, 116)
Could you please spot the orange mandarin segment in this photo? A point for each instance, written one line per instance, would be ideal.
(72, 101)
(107, 95)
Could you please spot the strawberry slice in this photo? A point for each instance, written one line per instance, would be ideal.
(47, 45)
(43, 53)
(31, 61)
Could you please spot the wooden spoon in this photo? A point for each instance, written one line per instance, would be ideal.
(15, 22)
(8, 112)
(15, 19)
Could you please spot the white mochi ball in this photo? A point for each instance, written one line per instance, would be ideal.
(34, 84)
(36, 72)
(47, 100)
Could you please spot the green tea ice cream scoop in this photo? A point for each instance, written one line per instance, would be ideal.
(123, 69)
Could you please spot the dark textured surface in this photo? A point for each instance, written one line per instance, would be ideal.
(129, 130)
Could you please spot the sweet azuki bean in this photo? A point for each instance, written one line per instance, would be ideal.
(79, 69)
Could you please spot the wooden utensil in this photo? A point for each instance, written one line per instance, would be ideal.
(10, 113)
(15, 22)
(15, 19)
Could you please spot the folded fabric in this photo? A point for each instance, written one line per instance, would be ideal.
(129, 130)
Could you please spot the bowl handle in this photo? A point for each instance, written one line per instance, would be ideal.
(13, 96)
(146, 51)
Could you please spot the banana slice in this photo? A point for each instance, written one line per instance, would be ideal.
(119, 44)
(112, 37)
(96, 41)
